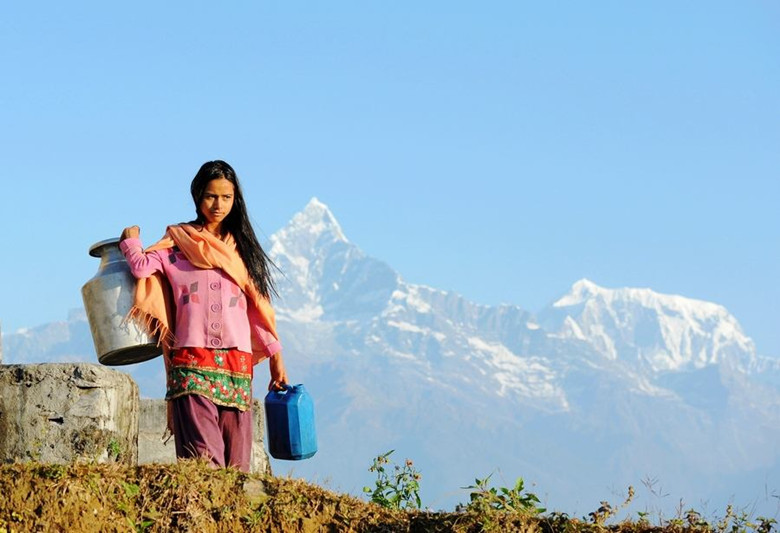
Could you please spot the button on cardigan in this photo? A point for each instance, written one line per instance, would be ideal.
(211, 310)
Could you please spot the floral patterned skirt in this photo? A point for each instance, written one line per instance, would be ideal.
(223, 376)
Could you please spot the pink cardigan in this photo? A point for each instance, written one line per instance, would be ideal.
(211, 310)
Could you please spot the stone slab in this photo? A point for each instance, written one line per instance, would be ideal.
(153, 449)
(65, 412)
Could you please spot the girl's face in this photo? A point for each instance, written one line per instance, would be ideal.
(217, 201)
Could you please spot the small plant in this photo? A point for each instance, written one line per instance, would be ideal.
(606, 510)
(131, 489)
(397, 487)
(643, 518)
(514, 500)
(114, 449)
(764, 524)
(738, 521)
(51, 471)
(694, 519)
(558, 521)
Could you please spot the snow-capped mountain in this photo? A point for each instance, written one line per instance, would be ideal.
(602, 389)
(659, 332)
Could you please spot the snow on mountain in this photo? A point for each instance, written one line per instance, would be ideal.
(331, 280)
(661, 332)
(321, 269)
(64, 341)
(603, 388)
(637, 379)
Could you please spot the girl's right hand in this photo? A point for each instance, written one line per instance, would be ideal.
(132, 232)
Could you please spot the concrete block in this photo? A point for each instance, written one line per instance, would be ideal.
(65, 412)
(153, 449)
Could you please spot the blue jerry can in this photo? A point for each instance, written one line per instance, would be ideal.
(289, 415)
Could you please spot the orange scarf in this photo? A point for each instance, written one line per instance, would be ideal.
(153, 305)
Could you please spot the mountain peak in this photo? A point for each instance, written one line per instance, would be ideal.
(584, 291)
(315, 223)
(666, 331)
(580, 291)
(320, 219)
(316, 206)
(585, 285)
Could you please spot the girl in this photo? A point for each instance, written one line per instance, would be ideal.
(205, 288)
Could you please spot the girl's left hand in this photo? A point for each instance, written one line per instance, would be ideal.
(278, 373)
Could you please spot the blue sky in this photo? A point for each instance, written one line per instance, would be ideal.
(502, 150)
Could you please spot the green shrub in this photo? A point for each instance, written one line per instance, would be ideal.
(398, 488)
(515, 500)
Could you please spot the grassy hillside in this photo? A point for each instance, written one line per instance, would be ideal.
(191, 497)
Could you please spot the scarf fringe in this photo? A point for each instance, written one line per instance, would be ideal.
(165, 339)
(152, 326)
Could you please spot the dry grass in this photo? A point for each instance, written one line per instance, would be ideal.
(189, 496)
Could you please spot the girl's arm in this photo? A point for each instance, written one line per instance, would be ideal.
(142, 265)
(266, 345)
(278, 372)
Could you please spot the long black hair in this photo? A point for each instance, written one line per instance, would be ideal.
(237, 223)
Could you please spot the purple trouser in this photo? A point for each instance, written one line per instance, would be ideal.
(222, 435)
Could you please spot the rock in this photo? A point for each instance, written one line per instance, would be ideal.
(64, 412)
(255, 492)
(152, 448)
(260, 463)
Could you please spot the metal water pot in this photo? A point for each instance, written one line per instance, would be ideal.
(108, 298)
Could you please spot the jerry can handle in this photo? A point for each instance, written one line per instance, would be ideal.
(284, 390)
